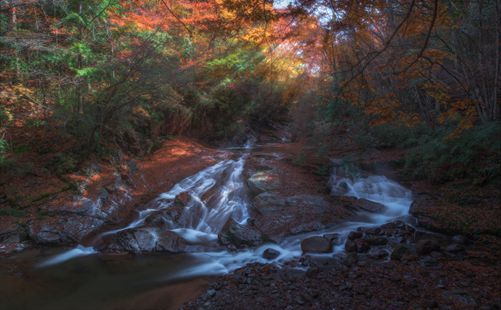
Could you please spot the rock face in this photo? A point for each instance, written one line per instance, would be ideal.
(239, 235)
(63, 230)
(144, 240)
(10, 231)
(12, 235)
(263, 181)
(269, 202)
(316, 245)
(361, 205)
(277, 216)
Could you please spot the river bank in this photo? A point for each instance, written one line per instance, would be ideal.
(259, 259)
(446, 257)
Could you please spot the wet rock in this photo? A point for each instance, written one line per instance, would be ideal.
(11, 247)
(362, 245)
(398, 252)
(211, 292)
(263, 181)
(305, 227)
(372, 231)
(427, 246)
(350, 246)
(144, 240)
(374, 241)
(269, 202)
(314, 203)
(10, 231)
(182, 199)
(239, 235)
(316, 244)
(63, 230)
(355, 235)
(361, 205)
(334, 238)
(270, 254)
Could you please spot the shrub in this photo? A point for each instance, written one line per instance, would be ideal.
(475, 154)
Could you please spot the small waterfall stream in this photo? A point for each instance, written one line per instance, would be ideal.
(218, 192)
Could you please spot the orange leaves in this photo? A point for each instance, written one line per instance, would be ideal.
(384, 108)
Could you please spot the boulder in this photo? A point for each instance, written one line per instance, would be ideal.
(270, 254)
(263, 181)
(355, 235)
(239, 235)
(335, 238)
(316, 244)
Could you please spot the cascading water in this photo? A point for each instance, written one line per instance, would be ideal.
(203, 216)
(218, 193)
(379, 189)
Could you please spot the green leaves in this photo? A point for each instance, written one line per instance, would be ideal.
(86, 72)
(239, 60)
(74, 19)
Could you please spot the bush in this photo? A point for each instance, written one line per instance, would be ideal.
(475, 154)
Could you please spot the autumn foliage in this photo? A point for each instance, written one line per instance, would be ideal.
(108, 74)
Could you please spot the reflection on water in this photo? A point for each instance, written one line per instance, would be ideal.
(89, 282)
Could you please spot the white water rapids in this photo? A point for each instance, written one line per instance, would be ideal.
(218, 193)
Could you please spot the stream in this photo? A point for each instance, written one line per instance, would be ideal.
(216, 194)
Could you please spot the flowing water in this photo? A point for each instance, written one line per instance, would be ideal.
(215, 194)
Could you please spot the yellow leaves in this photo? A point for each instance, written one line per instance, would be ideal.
(257, 34)
(140, 112)
(11, 94)
(18, 103)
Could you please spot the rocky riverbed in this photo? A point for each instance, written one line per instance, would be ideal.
(270, 234)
